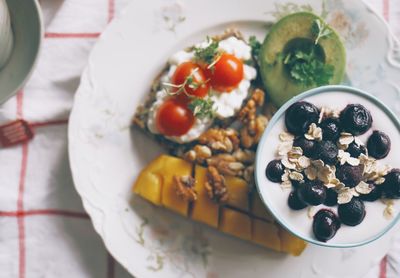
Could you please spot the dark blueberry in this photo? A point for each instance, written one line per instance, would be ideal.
(299, 116)
(312, 192)
(356, 150)
(327, 151)
(325, 225)
(349, 175)
(330, 129)
(374, 195)
(306, 145)
(352, 213)
(275, 170)
(331, 197)
(378, 144)
(294, 202)
(391, 186)
(355, 119)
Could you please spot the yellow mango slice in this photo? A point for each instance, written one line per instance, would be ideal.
(174, 167)
(290, 243)
(156, 184)
(148, 185)
(204, 209)
(235, 223)
(266, 234)
(258, 208)
(238, 193)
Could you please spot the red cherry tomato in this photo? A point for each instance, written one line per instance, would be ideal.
(226, 74)
(174, 118)
(199, 86)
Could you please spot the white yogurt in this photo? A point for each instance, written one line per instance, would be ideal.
(299, 221)
(6, 35)
(226, 104)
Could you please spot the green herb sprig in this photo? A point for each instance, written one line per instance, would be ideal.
(207, 54)
(255, 46)
(305, 67)
(176, 89)
(320, 30)
(202, 107)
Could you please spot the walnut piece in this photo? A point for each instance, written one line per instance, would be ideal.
(215, 185)
(248, 175)
(226, 164)
(248, 114)
(250, 138)
(244, 156)
(219, 139)
(184, 188)
(198, 154)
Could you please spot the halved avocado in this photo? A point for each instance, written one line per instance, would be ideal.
(294, 31)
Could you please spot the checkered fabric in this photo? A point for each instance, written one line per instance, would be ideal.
(44, 231)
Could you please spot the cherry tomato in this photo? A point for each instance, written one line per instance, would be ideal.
(174, 118)
(198, 87)
(226, 74)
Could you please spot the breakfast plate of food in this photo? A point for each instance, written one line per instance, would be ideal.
(175, 101)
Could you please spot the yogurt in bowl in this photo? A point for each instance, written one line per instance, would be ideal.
(326, 168)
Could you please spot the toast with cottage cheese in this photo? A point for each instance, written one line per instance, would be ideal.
(201, 87)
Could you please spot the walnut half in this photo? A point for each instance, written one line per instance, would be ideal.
(219, 139)
(215, 185)
(250, 136)
(184, 188)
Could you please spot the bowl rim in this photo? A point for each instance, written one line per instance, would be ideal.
(23, 82)
(273, 121)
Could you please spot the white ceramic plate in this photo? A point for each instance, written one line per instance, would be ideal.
(106, 156)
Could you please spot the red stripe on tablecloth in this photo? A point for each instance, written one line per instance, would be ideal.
(385, 9)
(71, 35)
(382, 267)
(110, 266)
(21, 189)
(48, 123)
(44, 212)
(19, 104)
(20, 207)
(21, 239)
(111, 9)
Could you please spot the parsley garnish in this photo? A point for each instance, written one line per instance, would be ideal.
(207, 55)
(307, 69)
(320, 30)
(255, 46)
(202, 107)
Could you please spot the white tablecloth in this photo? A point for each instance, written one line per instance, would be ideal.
(44, 231)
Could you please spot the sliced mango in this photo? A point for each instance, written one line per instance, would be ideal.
(149, 182)
(156, 184)
(290, 243)
(266, 234)
(174, 167)
(235, 223)
(204, 209)
(258, 208)
(238, 193)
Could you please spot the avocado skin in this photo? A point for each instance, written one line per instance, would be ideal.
(279, 85)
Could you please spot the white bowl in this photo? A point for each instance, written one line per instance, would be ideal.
(299, 222)
(26, 22)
